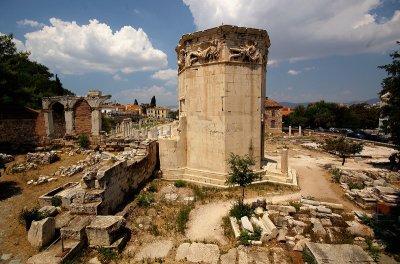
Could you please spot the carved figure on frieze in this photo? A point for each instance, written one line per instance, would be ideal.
(181, 58)
(201, 55)
(247, 53)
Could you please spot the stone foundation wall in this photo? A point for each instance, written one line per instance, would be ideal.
(83, 118)
(20, 127)
(123, 178)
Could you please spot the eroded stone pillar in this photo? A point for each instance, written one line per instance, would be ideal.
(96, 121)
(300, 131)
(69, 122)
(48, 122)
(290, 131)
(284, 161)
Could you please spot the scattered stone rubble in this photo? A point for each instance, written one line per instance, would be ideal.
(21, 167)
(93, 158)
(42, 157)
(369, 191)
(42, 179)
(6, 158)
(32, 160)
(308, 220)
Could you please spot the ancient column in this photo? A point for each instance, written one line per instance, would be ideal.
(48, 122)
(284, 161)
(290, 131)
(96, 121)
(300, 131)
(69, 121)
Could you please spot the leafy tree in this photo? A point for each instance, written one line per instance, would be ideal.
(136, 102)
(342, 147)
(241, 172)
(174, 114)
(391, 90)
(24, 82)
(153, 101)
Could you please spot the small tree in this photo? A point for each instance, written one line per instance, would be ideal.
(153, 101)
(342, 147)
(241, 172)
(390, 89)
(136, 102)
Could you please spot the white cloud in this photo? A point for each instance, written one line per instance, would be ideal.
(293, 72)
(117, 77)
(30, 23)
(301, 30)
(169, 75)
(144, 94)
(77, 49)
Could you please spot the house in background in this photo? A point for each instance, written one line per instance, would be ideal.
(272, 117)
(133, 109)
(158, 112)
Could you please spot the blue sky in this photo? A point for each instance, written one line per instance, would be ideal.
(320, 49)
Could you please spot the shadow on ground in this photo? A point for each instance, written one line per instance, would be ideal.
(9, 189)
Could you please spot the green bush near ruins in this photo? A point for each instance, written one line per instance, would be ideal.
(183, 218)
(179, 184)
(28, 216)
(83, 141)
(106, 255)
(240, 209)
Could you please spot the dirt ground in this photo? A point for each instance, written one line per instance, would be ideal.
(159, 220)
(16, 194)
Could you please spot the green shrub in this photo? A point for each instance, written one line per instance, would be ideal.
(296, 205)
(144, 199)
(183, 218)
(179, 184)
(154, 230)
(355, 186)
(83, 141)
(373, 251)
(307, 258)
(152, 188)
(198, 192)
(240, 209)
(336, 174)
(106, 255)
(257, 233)
(28, 216)
(227, 227)
(56, 201)
(244, 238)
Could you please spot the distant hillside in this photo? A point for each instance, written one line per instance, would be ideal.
(369, 101)
(292, 105)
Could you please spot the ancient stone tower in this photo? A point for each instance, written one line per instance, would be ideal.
(221, 92)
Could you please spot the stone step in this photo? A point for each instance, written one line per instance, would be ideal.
(76, 227)
(90, 196)
(85, 208)
(203, 180)
(54, 254)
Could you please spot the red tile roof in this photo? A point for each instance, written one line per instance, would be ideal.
(271, 103)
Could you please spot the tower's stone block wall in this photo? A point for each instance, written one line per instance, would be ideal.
(221, 90)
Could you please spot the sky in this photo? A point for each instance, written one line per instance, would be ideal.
(320, 49)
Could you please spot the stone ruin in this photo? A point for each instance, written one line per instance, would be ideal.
(73, 115)
(87, 206)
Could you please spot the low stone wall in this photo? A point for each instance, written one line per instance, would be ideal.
(21, 126)
(123, 177)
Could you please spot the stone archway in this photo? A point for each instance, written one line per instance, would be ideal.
(58, 120)
(82, 118)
